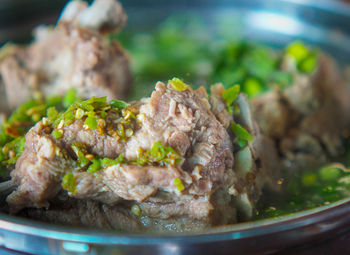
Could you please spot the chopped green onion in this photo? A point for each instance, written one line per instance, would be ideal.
(170, 151)
(298, 51)
(141, 161)
(106, 162)
(57, 133)
(120, 159)
(103, 114)
(95, 166)
(17, 146)
(178, 84)
(69, 182)
(69, 98)
(253, 87)
(129, 132)
(128, 114)
(158, 151)
(308, 64)
(241, 143)
(13, 160)
(118, 104)
(96, 111)
(158, 154)
(79, 113)
(36, 117)
(121, 131)
(305, 58)
(20, 144)
(178, 183)
(94, 103)
(329, 173)
(282, 79)
(231, 94)
(91, 122)
(52, 114)
(68, 117)
(242, 134)
(78, 149)
(53, 101)
(87, 107)
(136, 210)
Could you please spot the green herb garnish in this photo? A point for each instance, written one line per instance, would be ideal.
(309, 64)
(99, 115)
(158, 151)
(178, 84)
(298, 51)
(178, 183)
(242, 135)
(13, 129)
(53, 101)
(91, 122)
(57, 133)
(158, 154)
(69, 182)
(69, 98)
(118, 104)
(13, 150)
(253, 87)
(80, 151)
(95, 166)
(329, 173)
(136, 210)
(231, 94)
(94, 103)
(305, 58)
(52, 114)
(106, 162)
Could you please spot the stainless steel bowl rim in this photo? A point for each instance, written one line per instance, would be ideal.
(225, 233)
(230, 232)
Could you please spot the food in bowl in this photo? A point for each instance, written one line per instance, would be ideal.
(73, 53)
(182, 159)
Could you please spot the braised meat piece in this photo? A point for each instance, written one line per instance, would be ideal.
(182, 120)
(257, 164)
(75, 53)
(176, 166)
(307, 121)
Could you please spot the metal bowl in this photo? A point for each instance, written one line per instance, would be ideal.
(273, 22)
(265, 236)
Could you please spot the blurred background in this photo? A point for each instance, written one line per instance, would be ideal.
(18, 17)
(202, 35)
